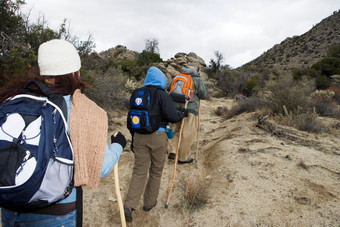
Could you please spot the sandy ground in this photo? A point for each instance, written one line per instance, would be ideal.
(256, 179)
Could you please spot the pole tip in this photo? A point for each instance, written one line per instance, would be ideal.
(166, 206)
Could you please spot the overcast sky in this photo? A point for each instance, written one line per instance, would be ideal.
(241, 30)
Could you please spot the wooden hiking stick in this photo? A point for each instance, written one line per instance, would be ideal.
(198, 130)
(117, 189)
(176, 159)
(119, 197)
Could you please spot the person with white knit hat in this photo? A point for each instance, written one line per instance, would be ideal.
(58, 57)
(59, 65)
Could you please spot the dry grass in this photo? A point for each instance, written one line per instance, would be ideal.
(250, 104)
(195, 193)
(308, 122)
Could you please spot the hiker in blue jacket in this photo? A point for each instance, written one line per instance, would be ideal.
(59, 64)
(150, 150)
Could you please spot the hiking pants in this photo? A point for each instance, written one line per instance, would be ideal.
(188, 135)
(150, 153)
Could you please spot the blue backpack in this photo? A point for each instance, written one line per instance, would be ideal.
(36, 155)
(143, 116)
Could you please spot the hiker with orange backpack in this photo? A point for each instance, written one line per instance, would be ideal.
(198, 91)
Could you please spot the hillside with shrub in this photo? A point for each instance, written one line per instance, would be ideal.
(304, 50)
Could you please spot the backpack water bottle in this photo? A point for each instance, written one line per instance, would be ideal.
(169, 132)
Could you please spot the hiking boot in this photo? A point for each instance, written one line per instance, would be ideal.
(128, 214)
(172, 156)
(189, 160)
(147, 209)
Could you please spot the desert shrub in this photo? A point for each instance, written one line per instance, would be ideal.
(307, 122)
(219, 111)
(137, 68)
(251, 84)
(284, 91)
(148, 58)
(324, 103)
(328, 66)
(87, 76)
(327, 109)
(334, 51)
(120, 49)
(108, 90)
(322, 82)
(300, 73)
(195, 193)
(336, 91)
(231, 82)
(323, 95)
(250, 104)
(337, 125)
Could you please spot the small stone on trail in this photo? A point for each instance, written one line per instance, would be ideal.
(112, 199)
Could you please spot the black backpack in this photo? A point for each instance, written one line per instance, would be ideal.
(143, 116)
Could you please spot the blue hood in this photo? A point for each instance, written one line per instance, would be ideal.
(155, 77)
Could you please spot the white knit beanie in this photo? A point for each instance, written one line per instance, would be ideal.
(58, 57)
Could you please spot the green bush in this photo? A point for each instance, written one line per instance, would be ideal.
(250, 85)
(147, 58)
(137, 68)
(322, 82)
(298, 74)
(132, 69)
(328, 66)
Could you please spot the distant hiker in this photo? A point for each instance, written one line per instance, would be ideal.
(87, 126)
(151, 109)
(191, 122)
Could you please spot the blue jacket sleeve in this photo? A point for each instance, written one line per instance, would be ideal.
(111, 158)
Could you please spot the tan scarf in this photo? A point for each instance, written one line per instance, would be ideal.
(88, 131)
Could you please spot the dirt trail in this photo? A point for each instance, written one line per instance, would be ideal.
(257, 179)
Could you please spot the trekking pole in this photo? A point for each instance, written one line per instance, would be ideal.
(119, 197)
(198, 130)
(176, 159)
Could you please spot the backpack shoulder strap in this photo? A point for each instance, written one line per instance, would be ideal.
(57, 99)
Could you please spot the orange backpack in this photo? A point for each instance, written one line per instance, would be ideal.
(182, 88)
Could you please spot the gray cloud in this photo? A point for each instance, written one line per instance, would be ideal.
(240, 30)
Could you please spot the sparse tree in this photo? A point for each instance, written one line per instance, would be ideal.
(151, 45)
(216, 66)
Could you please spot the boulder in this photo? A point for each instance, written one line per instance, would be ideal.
(127, 55)
(174, 65)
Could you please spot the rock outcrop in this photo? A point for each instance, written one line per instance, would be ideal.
(174, 65)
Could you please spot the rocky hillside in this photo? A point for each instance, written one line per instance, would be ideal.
(304, 50)
(170, 67)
